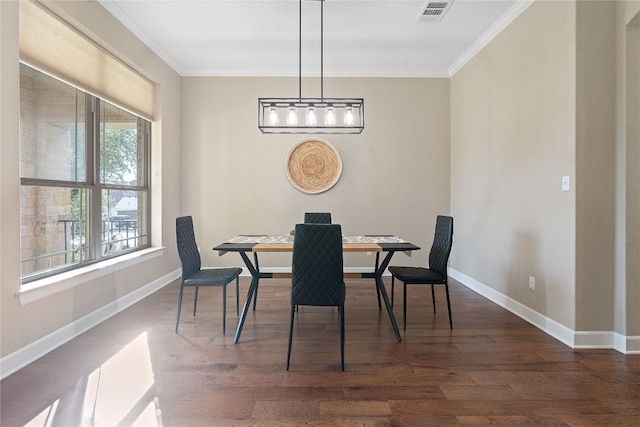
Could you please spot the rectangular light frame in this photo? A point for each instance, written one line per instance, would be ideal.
(281, 107)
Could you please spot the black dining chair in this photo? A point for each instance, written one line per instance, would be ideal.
(314, 218)
(193, 275)
(317, 273)
(435, 274)
(317, 217)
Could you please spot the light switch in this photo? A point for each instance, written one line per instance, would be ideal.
(566, 183)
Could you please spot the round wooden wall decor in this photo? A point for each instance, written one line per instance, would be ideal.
(313, 165)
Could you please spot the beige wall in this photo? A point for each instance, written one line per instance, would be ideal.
(512, 139)
(595, 164)
(395, 175)
(627, 281)
(554, 94)
(22, 325)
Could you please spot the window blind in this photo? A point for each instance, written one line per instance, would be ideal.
(50, 44)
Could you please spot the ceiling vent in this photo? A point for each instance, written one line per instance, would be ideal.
(434, 11)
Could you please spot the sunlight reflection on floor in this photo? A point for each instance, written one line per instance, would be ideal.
(116, 393)
(44, 418)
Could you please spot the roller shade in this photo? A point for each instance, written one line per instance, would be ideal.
(50, 44)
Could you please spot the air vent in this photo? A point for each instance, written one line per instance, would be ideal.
(434, 11)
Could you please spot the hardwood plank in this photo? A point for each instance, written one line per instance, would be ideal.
(512, 420)
(277, 409)
(398, 392)
(599, 420)
(479, 392)
(356, 408)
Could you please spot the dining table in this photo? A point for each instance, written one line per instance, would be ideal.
(260, 243)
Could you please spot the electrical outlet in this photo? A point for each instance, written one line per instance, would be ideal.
(369, 253)
(532, 283)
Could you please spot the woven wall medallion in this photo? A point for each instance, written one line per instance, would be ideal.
(313, 165)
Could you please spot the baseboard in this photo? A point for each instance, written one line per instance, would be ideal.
(573, 339)
(607, 340)
(630, 344)
(21, 358)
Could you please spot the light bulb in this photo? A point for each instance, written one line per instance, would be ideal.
(292, 118)
(330, 116)
(273, 115)
(311, 115)
(348, 115)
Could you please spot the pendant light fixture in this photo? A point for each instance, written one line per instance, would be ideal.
(311, 115)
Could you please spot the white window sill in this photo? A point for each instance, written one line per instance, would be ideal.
(43, 288)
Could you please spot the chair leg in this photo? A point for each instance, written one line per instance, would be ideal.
(224, 310)
(238, 296)
(195, 300)
(179, 307)
(393, 288)
(446, 287)
(433, 298)
(404, 306)
(342, 337)
(293, 312)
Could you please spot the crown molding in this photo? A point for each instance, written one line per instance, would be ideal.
(502, 23)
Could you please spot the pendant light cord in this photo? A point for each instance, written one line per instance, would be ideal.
(300, 50)
(322, 49)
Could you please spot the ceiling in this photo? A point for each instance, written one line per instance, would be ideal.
(363, 38)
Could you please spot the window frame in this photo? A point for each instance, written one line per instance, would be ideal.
(94, 187)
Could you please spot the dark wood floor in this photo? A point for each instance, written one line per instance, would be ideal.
(491, 369)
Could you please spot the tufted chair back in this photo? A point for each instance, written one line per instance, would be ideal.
(187, 247)
(317, 267)
(317, 217)
(441, 247)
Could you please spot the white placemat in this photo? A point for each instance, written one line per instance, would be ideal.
(289, 239)
(372, 239)
(260, 239)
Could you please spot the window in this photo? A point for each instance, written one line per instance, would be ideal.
(84, 177)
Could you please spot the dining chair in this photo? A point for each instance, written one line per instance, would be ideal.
(317, 273)
(314, 218)
(317, 217)
(193, 275)
(435, 274)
